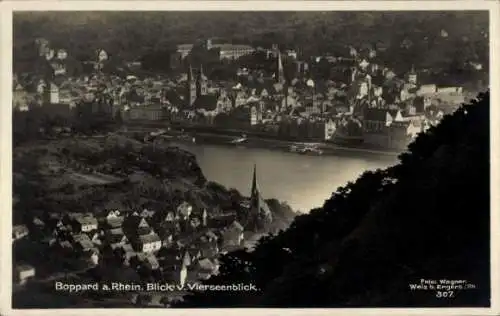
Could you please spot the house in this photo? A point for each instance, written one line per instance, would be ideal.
(91, 256)
(170, 217)
(38, 223)
(19, 232)
(194, 253)
(233, 234)
(82, 242)
(152, 112)
(147, 213)
(151, 262)
(166, 231)
(228, 51)
(96, 237)
(194, 222)
(113, 214)
(114, 222)
(169, 255)
(186, 259)
(175, 271)
(20, 97)
(208, 249)
(206, 267)
(375, 120)
(24, 273)
(85, 224)
(167, 240)
(240, 99)
(115, 238)
(148, 243)
(427, 89)
(184, 210)
(211, 236)
(324, 129)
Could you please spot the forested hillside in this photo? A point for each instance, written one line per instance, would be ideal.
(425, 39)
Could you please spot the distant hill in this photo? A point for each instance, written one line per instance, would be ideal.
(426, 218)
(435, 39)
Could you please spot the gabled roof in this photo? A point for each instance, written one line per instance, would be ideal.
(115, 221)
(206, 264)
(235, 225)
(87, 220)
(153, 261)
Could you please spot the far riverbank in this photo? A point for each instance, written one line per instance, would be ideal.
(218, 136)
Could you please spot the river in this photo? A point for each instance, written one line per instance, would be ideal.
(304, 182)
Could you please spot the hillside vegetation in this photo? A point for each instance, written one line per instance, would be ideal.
(425, 218)
(92, 174)
(425, 39)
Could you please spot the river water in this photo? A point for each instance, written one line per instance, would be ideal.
(304, 182)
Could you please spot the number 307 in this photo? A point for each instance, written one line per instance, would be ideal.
(444, 294)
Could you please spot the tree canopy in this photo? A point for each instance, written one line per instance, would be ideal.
(427, 39)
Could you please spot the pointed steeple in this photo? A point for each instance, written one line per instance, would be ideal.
(255, 190)
(204, 217)
(201, 83)
(191, 87)
(201, 71)
(280, 75)
(186, 260)
(190, 73)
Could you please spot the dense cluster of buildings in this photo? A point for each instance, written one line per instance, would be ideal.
(177, 245)
(363, 100)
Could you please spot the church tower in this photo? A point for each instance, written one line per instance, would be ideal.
(191, 87)
(412, 76)
(202, 88)
(259, 210)
(254, 193)
(280, 74)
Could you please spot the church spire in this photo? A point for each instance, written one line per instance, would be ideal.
(201, 83)
(190, 73)
(191, 87)
(280, 76)
(255, 190)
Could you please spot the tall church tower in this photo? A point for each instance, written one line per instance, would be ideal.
(411, 77)
(201, 84)
(254, 193)
(280, 74)
(259, 210)
(191, 87)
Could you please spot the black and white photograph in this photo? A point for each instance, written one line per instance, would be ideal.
(248, 158)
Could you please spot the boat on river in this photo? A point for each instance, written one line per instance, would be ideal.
(239, 140)
(306, 149)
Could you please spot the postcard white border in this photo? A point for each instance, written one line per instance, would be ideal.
(6, 137)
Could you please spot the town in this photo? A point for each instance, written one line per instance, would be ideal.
(177, 242)
(273, 93)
